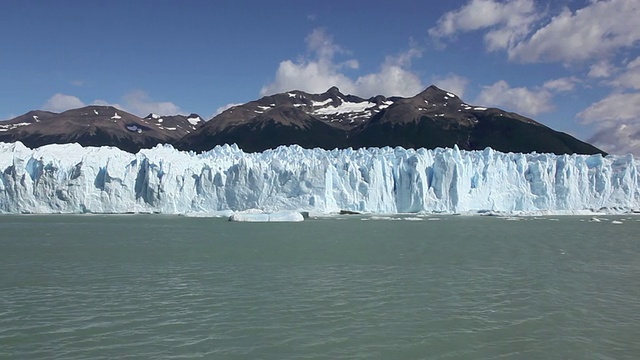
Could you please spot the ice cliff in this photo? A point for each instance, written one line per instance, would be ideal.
(75, 179)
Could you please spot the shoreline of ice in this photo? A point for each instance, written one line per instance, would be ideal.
(73, 179)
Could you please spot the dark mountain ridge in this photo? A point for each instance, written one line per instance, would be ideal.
(97, 126)
(433, 118)
(430, 119)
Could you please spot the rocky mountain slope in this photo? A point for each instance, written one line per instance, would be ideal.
(97, 126)
(432, 118)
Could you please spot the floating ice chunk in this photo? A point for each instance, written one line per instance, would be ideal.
(281, 216)
(389, 218)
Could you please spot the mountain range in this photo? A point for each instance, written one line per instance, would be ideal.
(430, 119)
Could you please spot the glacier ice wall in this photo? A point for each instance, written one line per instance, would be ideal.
(74, 179)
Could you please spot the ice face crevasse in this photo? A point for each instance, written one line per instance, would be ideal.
(72, 179)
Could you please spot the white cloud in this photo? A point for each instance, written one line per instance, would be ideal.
(564, 84)
(225, 107)
(61, 102)
(310, 76)
(139, 103)
(101, 102)
(595, 31)
(614, 108)
(630, 76)
(394, 78)
(518, 99)
(321, 72)
(619, 139)
(616, 118)
(453, 83)
(507, 21)
(601, 69)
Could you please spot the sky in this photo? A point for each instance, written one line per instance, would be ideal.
(573, 65)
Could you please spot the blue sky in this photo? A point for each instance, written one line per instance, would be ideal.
(572, 65)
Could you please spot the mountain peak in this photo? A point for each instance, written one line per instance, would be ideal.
(333, 91)
(431, 90)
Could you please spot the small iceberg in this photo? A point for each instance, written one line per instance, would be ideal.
(280, 216)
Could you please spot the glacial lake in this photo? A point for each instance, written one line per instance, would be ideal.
(349, 287)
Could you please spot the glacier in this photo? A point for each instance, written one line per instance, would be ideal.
(70, 178)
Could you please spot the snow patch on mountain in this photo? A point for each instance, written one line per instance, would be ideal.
(194, 120)
(321, 103)
(345, 107)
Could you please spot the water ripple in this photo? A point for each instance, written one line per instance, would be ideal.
(239, 299)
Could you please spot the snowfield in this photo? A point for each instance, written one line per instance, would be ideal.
(74, 179)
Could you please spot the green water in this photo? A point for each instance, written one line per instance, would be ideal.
(451, 287)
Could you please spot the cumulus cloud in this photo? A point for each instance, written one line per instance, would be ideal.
(225, 107)
(321, 71)
(139, 103)
(507, 22)
(629, 77)
(564, 84)
(453, 83)
(393, 78)
(594, 31)
(584, 34)
(101, 102)
(613, 108)
(601, 69)
(616, 118)
(618, 139)
(518, 99)
(62, 102)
